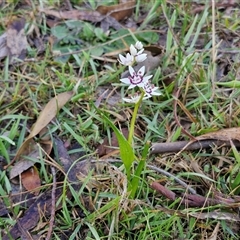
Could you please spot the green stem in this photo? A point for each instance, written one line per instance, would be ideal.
(133, 120)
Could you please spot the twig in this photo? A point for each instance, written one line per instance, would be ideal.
(193, 200)
(191, 190)
(214, 53)
(53, 209)
(157, 148)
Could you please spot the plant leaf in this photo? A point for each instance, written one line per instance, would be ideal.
(126, 150)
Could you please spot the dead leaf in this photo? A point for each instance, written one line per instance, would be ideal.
(16, 38)
(46, 146)
(13, 42)
(31, 180)
(41, 207)
(50, 111)
(87, 15)
(215, 233)
(223, 134)
(46, 115)
(31, 149)
(20, 167)
(24, 164)
(118, 11)
(154, 50)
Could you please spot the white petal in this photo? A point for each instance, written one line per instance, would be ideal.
(141, 71)
(129, 57)
(127, 100)
(122, 58)
(125, 80)
(132, 86)
(141, 84)
(141, 57)
(138, 45)
(133, 50)
(146, 78)
(146, 96)
(140, 51)
(128, 60)
(156, 93)
(131, 70)
(155, 89)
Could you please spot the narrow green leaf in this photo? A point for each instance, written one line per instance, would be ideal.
(236, 153)
(138, 172)
(236, 184)
(145, 150)
(231, 84)
(199, 27)
(126, 150)
(136, 178)
(7, 139)
(190, 31)
(93, 230)
(113, 204)
(76, 136)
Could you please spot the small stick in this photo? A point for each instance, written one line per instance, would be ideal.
(178, 146)
(191, 190)
(214, 53)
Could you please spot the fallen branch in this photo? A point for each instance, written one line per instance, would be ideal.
(188, 145)
(194, 200)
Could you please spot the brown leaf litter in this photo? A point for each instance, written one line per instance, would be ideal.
(13, 43)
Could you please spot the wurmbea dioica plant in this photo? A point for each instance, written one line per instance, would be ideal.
(145, 90)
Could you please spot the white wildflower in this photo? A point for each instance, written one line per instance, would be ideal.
(150, 90)
(127, 61)
(136, 78)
